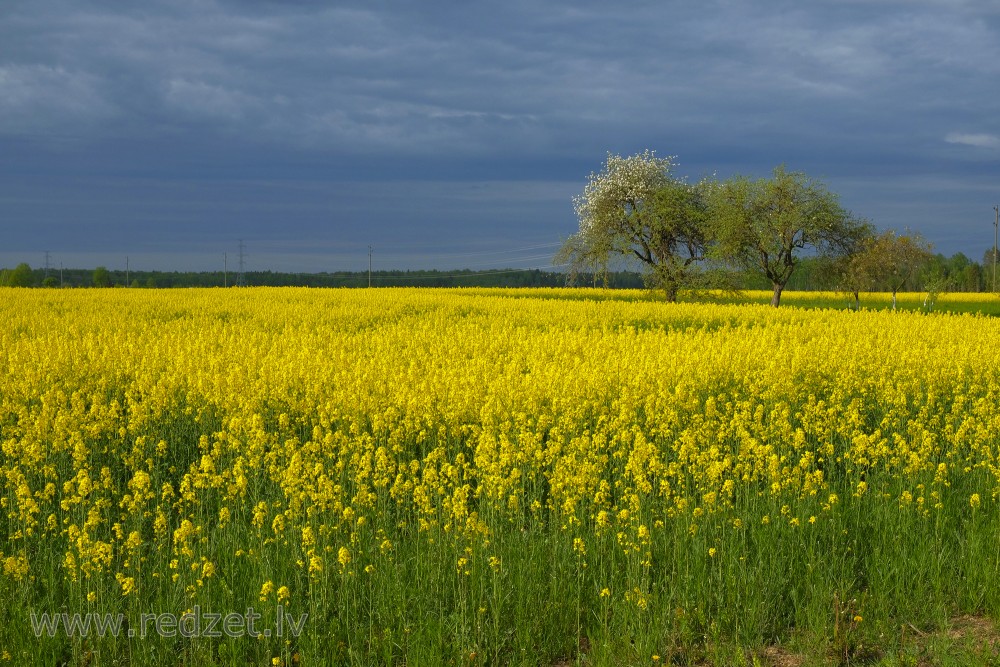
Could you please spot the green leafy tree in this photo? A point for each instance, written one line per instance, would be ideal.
(636, 208)
(101, 277)
(888, 261)
(19, 276)
(861, 270)
(765, 225)
(965, 274)
(50, 281)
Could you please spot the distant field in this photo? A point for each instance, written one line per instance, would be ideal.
(493, 477)
(955, 302)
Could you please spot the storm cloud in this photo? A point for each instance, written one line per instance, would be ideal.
(453, 134)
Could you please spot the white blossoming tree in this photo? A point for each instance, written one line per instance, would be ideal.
(636, 208)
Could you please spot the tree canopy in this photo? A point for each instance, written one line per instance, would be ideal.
(19, 276)
(636, 208)
(754, 228)
(899, 258)
(889, 261)
(101, 277)
(767, 224)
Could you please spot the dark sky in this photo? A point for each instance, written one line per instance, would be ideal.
(452, 134)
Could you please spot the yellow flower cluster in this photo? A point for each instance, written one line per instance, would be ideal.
(141, 430)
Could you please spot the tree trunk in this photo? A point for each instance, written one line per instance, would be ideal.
(894, 299)
(671, 294)
(776, 297)
(857, 302)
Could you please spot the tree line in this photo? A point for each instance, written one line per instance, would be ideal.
(957, 273)
(23, 275)
(748, 232)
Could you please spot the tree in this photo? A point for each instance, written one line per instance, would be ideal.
(902, 258)
(584, 256)
(766, 224)
(636, 208)
(964, 274)
(50, 281)
(972, 278)
(860, 270)
(101, 277)
(19, 276)
(935, 282)
(888, 261)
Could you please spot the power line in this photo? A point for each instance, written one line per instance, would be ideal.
(479, 253)
(486, 255)
(435, 276)
(508, 261)
(241, 279)
(466, 275)
(511, 260)
(500, 260)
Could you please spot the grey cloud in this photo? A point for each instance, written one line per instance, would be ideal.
(250, 92)
(978, 140)
(35, 97)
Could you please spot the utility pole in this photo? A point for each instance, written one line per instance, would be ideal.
(225, 269)
(127, 283)
(996, 224)
(60, 275)
(369, 266)
(46, 263)
(241, 279)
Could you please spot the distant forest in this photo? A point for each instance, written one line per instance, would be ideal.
(958, 273)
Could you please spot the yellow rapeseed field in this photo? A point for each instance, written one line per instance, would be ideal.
(488, 476)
